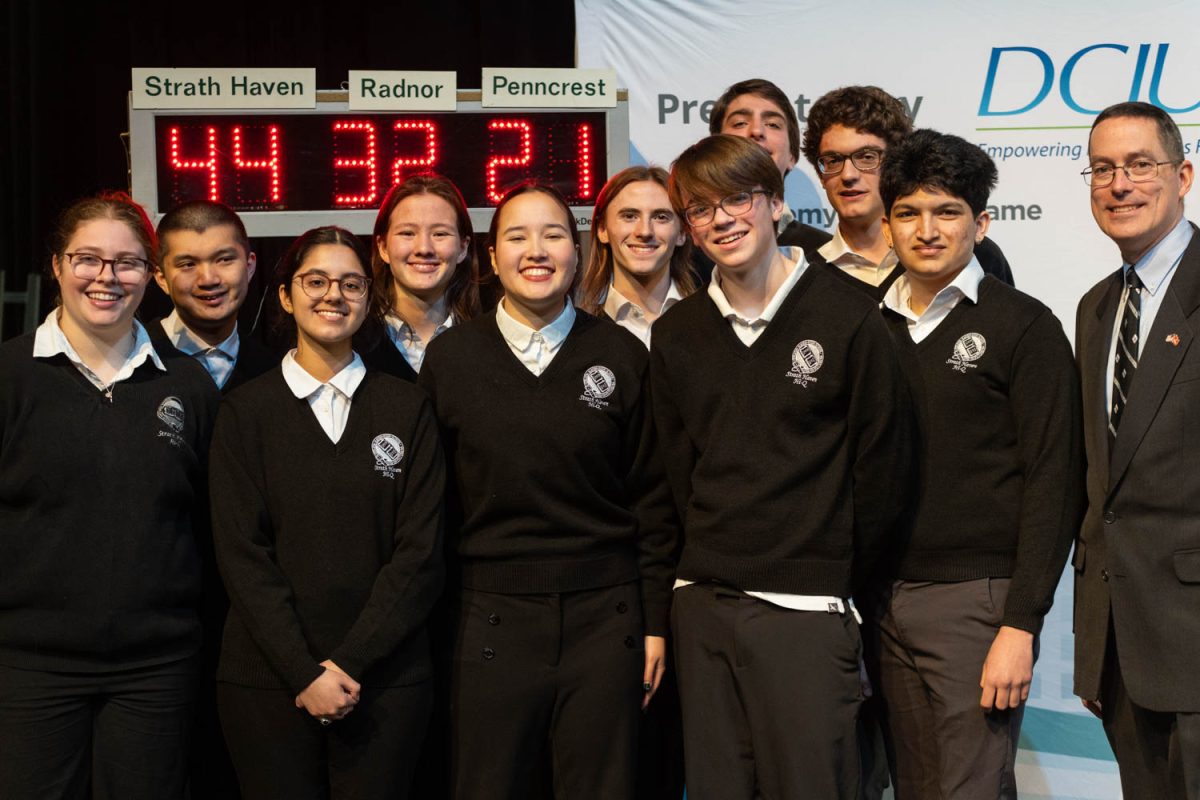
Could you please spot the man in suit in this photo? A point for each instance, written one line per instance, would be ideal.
(205, 265)
(1137, 558)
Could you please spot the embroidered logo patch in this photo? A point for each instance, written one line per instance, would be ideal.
(170, 413)
(598, 383)
(807, 358)
(388, 451)
(970, 347)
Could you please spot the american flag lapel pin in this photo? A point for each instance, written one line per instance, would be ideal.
(1173, 339)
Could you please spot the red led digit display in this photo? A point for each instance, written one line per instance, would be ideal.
(428, 162)
(313, 162)
(182, 166)
(365, 165)
(268, 196)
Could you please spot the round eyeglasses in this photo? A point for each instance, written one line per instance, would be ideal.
(316, 285)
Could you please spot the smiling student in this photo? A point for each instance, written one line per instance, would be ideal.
(103, 444)
(1000, 490)
(565, 529)
(846, 139)
(424, 262)
(640, 262)
(785, 430)
(327, 483)
(640, 266)
(205, 265)
(758, 110)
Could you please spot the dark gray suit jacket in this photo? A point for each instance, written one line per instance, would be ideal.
(1138, 553)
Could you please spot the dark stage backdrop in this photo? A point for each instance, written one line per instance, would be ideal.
(64, 78)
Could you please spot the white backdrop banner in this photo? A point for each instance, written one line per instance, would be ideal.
(1021, 79)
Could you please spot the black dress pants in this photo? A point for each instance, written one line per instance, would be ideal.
(280, 751)
(770, 697)
(547, 675)
(125, 732)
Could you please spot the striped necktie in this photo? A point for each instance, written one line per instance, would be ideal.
(1126, 360)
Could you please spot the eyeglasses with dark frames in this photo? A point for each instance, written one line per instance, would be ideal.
(868, 159)
(88, 266)
(700, 214)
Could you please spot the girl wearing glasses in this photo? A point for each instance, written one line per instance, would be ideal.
(566, 529)
(640, 263)
(102, 448)
(327, 486)
(424, 262)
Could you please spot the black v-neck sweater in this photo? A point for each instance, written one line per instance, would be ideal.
(98, 498)
(1001, 491)
(385, 356)
(328, 551)
(788, 459)
(556, 479)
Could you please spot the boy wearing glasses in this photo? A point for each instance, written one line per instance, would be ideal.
(999, 482)
(785, 430)
(1137, 559)
(205, 266)
(846, 139)
(758, 110)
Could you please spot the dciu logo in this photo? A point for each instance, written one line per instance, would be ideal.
(1075, 70)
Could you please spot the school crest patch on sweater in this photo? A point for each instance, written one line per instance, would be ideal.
(598, 383)
(170, 413)
(388, 451)
(807, 358)
(969, 347)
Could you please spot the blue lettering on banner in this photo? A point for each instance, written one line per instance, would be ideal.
(1070, 67)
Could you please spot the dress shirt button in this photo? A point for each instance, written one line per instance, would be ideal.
(1110, 517)
(488, 654)
(1104, 575)
(622, 607)
(494, 619)
(629, 642)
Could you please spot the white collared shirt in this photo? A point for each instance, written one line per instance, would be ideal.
(408, 342)
(965, 285)
(630, 316)
(535, 349)
(837, 252)
(330, 402)
(218, 361)
(49, 341)
(749, 330)
(1155, 270)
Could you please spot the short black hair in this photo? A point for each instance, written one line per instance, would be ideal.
(759, 87)
(198, 216)
(928, 159)
(1168, 131)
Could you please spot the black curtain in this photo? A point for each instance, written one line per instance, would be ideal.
(64, 79)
